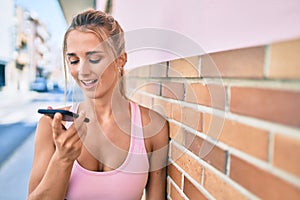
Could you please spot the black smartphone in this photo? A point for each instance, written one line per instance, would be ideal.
(67, 115)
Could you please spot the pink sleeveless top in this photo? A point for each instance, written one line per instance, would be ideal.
(124, 183)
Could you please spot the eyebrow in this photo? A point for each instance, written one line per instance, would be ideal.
(71, 54)
(87, 53)
(93, 52)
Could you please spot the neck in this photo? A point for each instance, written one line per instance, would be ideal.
(109, 106)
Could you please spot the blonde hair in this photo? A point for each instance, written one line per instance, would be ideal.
(104, 26)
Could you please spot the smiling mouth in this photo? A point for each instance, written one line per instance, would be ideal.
(89, 83)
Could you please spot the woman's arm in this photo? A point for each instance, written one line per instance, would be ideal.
(159, 139)
(54, 154)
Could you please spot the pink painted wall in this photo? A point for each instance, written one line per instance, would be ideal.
(212, 25)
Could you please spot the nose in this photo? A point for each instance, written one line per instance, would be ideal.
(84, 67)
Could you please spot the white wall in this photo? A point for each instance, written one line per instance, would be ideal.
(7, 22)
(211, 24)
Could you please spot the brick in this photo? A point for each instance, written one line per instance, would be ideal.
(260, 182)
(218, 96)
(207, 151)
(159, 70)
(145, 100)
(187, 116)
(187, 163)
(173, 90)
(174, 152)
(239, 63)
(175, 175)
(176, 133)
(192, 142)
(136, 97)
(191, 191)
(132, 85)
(245, 138)
(284, 60)
(149, 87)
(177, 113)
(163, 107)
(175, 194)
(220, 189)
(198, 93)
(184, 67)
(192, 118)
(278, 106)
(209, 95)
(213, 125)
(142, 71)
(141, 85)
(287, 154)
(214, 156)
(192, 95)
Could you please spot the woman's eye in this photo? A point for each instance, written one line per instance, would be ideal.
(94, 61)
(72, 62)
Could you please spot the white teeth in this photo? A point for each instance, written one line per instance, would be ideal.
(89, 82)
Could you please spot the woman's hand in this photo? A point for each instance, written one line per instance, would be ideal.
(68, 142)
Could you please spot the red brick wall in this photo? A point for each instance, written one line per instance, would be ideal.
(234, 121)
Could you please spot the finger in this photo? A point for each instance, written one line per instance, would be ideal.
(73, 139)
(82, 115)
(80, 120)
(57, 124)
(49, 108)
(78, 143)
(76, 138)
(77, 130)
(82, 131)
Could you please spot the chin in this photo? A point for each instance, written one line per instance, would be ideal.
(94, 94)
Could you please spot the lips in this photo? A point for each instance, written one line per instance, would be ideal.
(89, 83)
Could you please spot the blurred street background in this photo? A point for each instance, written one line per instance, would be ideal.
(31, 77)
(18, 118)
(254, 44)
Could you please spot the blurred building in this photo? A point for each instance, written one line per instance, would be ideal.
(27, 49)
(7, 21)
(31, 47)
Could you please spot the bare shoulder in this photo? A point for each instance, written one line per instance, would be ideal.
(44, 130)
(155, 127)
(151, 116)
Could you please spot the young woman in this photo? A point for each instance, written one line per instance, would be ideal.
(122, 150)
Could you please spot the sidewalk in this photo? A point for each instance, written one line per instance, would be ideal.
(14, 174)
(16, 98)
(13, 132)
(18, 118)
(12, 136)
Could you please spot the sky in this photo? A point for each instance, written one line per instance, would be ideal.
(50, 13)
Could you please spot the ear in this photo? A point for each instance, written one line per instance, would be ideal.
(122, 59)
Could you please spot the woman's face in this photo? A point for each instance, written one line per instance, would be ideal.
(91, 63)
